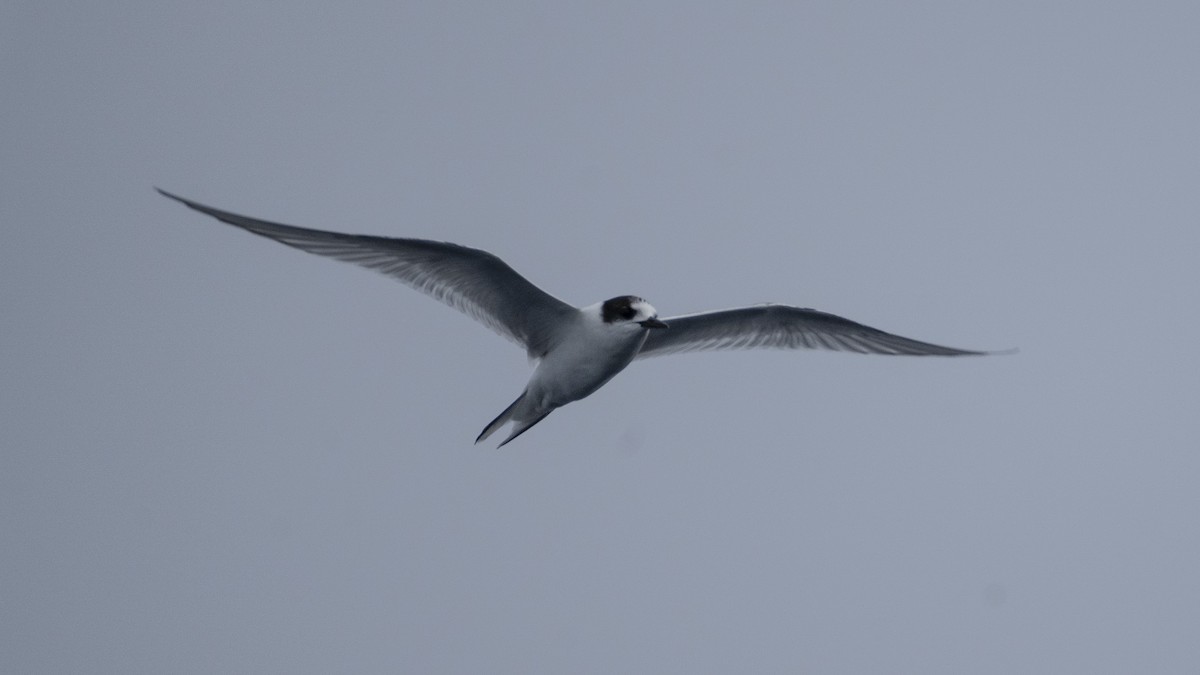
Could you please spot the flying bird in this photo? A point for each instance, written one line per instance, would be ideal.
(577, 349)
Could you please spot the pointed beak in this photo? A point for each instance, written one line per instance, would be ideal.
(653, 323)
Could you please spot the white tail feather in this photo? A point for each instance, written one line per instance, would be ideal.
(500, 420)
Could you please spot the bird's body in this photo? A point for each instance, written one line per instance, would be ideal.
(577, 350)
(588, 357)
(591, 353)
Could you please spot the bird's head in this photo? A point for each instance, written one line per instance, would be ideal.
(630, 309)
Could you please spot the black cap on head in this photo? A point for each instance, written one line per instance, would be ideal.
(619, 308)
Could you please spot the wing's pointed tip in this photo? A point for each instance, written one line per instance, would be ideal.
(170, 195)
(954, 351)
(981, 352)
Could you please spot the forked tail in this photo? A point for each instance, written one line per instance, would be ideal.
(519, 427)
(500, 419)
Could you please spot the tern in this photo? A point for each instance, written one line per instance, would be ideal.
(576, 349)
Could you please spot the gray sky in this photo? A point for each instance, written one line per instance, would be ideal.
(223, 455)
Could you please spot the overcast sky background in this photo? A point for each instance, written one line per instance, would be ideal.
(218, 454)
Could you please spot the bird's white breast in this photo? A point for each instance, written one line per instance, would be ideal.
(590, 354)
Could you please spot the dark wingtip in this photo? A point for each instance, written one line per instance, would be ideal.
(223, 216)
(169, 195)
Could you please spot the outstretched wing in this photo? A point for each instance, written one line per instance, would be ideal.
(472, 281)
(782, 327)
